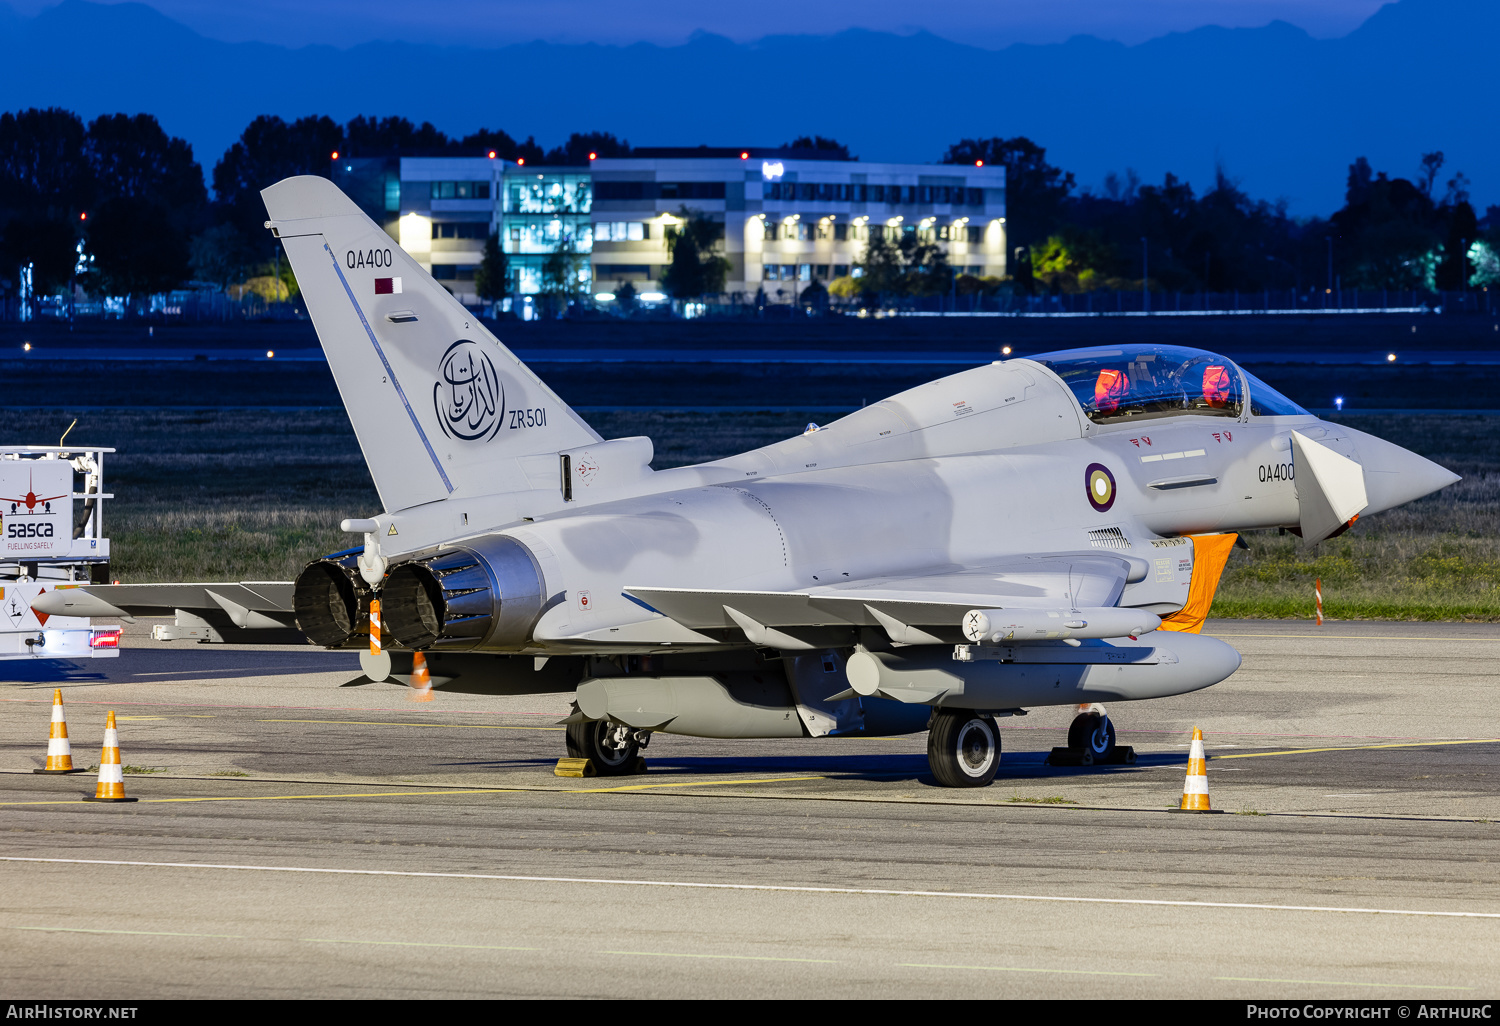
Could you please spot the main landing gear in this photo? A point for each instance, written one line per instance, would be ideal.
(613, 748)
(963, 747)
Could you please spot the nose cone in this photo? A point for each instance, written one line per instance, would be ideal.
(1395, 476)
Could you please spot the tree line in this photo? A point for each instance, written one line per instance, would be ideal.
(1393, 232)
(121, 208)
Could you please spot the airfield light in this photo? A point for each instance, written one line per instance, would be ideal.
(335, 155)
(1390, 357)
(1005, 350)
(593, 155)
(27, 347)
(744, 154)
(979, 163)
(1338, 402)
(520, 162)
(270, 353)
(492, 154)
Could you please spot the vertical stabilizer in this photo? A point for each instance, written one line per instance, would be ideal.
(440, 407)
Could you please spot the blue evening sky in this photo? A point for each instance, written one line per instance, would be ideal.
(993, 24)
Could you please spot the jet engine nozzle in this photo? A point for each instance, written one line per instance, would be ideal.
(332, 602)
(996, 625)
(485, 595)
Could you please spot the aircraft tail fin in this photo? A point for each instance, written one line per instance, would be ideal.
(439, 406)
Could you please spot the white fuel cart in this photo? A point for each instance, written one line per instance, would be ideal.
(51, 538)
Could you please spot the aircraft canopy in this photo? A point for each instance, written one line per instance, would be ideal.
(1143, 382)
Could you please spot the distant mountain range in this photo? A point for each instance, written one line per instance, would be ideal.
(1283, 112)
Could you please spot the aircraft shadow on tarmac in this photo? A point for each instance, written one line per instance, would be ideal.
(888, 768)
(166, 666)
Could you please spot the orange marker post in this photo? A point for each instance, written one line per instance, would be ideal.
(111, 786)
(375, 627)
(59, 751)
(1318, 598)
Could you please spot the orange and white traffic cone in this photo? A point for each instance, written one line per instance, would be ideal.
(1195, 788)
(111, 786)
(421, 680)
(59, 752)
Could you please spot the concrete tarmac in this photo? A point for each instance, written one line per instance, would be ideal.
(295, 837)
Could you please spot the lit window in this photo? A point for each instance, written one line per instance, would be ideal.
(768, 272)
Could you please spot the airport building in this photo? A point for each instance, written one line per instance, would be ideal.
(789, 218)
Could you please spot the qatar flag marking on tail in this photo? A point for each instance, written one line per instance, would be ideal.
(387, 286)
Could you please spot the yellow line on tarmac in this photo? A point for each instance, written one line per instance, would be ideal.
(690, 783)
(1357, 748)
(477, 790)
(131, 933)
(416, 944)
(1349, 637)
(1013, 969)
(1341, 983)
(290, 797)
(739, 958)
(379, 723)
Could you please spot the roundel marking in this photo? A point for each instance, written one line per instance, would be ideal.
(1100, 484)
(469, 396)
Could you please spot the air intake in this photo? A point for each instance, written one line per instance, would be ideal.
(486, 595)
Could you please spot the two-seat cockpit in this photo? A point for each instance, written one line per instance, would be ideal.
(1150, 381)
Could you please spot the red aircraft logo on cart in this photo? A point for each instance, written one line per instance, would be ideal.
(32, 500)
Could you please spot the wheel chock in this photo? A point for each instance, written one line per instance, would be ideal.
(639, 766)
(1123, 755)
(574, 768)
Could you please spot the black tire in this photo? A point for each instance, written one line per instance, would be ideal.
(1092, 733)
(591, 741)
(963, 748)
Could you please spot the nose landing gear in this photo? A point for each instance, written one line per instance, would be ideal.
(1091, 739)
(613, 748)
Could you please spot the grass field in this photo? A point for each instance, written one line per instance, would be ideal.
(1434, 559)
(245, 494)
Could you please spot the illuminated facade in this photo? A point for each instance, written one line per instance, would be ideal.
(789, 218)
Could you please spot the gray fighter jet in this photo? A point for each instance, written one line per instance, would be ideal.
(1043, 531)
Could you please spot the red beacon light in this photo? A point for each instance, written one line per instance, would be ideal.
(492, 154)
(744, 154)
(520, 162)
(979, 163)
(83, 215)
(593, 155)
(335, 155)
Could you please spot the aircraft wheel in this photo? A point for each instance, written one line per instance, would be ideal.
(611, 747)
(1092, 733)
(963, 748)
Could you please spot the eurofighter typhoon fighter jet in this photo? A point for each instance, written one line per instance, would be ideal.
(1043, 531)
